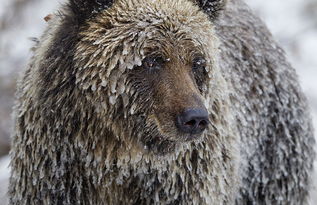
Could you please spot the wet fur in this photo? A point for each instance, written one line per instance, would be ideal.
(93, 127)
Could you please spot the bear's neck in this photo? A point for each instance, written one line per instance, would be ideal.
(131, 176)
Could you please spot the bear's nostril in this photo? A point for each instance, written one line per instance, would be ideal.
(203, 124)
(192, 121)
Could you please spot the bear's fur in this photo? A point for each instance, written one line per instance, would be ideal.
(95, 112)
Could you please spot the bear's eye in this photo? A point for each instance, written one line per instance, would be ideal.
(199, 63)
(198, 67)
(153, 63)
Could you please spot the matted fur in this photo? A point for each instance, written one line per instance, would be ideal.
(86, 132)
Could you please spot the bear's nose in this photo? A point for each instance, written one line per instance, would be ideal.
(193, 121)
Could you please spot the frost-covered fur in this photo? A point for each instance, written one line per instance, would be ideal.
(85, 132)
(273, 120)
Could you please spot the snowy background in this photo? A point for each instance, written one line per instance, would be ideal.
(292, 22)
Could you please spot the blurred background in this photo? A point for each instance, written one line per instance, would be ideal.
(292, 22)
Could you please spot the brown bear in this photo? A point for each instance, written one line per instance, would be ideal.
(159, 102)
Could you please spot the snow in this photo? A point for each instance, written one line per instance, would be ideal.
(4, 176)
(15, 40)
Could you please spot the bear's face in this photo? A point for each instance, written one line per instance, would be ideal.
(170, 81)
(148, 70)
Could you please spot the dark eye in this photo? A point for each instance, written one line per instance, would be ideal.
(200, 74)
(199, 63)
(153, 63)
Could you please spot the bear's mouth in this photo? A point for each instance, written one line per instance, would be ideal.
(179, 139)
(163, 144)
(189, 138)
(183, 138)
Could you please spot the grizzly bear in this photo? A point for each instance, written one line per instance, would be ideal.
(159, 102)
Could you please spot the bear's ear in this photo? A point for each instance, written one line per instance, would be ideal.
(84, 9)
(211, 7)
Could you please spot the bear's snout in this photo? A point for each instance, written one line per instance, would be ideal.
(192, 121)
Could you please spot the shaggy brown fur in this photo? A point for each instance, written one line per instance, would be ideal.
(96, 109)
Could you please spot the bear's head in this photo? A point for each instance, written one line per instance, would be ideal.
(149, 68)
